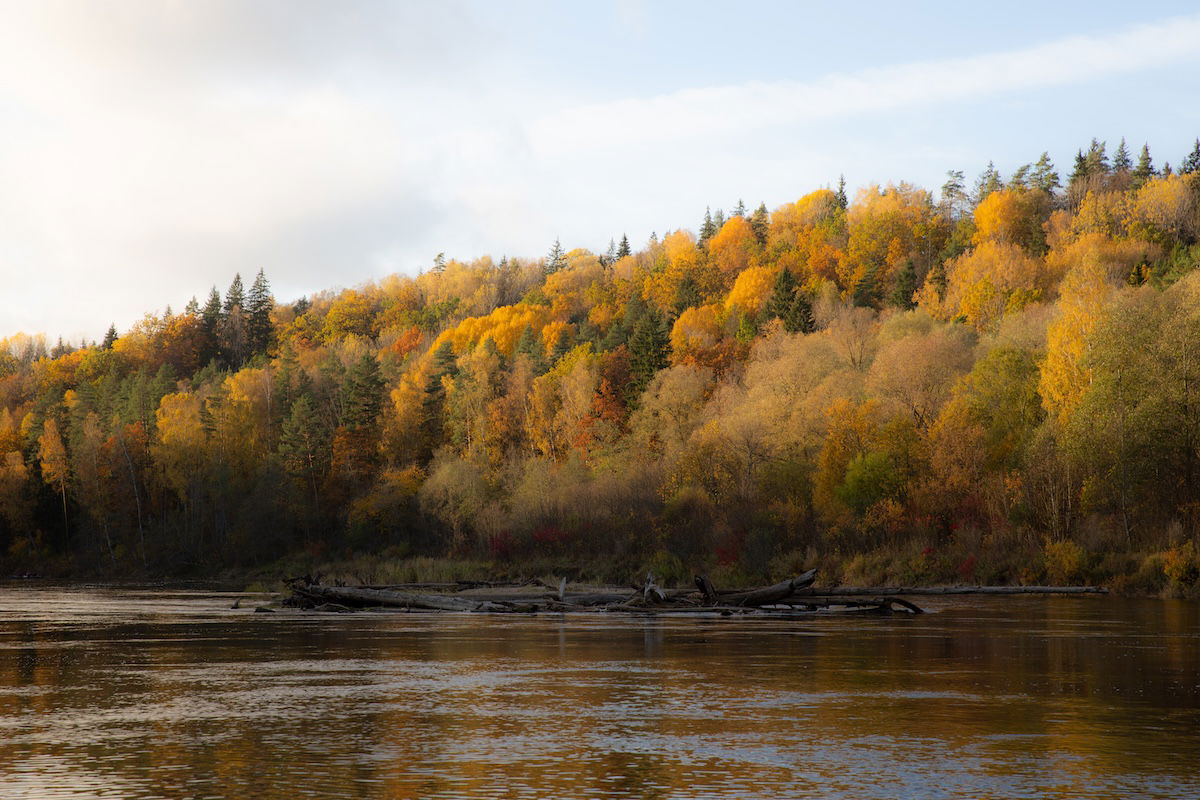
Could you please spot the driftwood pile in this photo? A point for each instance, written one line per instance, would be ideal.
(789, 597)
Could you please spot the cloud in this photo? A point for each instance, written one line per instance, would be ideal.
(715, 111)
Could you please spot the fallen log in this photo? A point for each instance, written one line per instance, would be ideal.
(361, 597)
(859, 591)
(756, 597)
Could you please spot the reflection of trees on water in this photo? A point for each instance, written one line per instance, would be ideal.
(1038, 694)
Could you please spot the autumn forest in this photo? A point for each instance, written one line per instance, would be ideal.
(995, 382)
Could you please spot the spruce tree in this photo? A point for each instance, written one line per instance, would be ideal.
(1080, 172)
(799, 316)
(235, 296)
(1191, 163)
(1121, 160)
(905, 288)
(623, 249)
(211, 314)
(740, 209)
(718, 221)
(192, 309)
(1144, 170)
(258, 309)
(649, 348)
(362, 393)
(707, 228)
(109, 338)
(555, 260)
(782, 295)
(840, 196)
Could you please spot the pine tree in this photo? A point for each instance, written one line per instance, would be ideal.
(954, 196)
(988, 182)
(1191, 163)
(555, 260)
(259, 304)
(1144, 170)
(623, 249)
(439, 263)
(235, 296)
(718, 221)
(109, 337)
(760, 223)
(192, 309)
(1080, 172)
(1020, 177)
(740, 209)
(840, 196)
(1097, 160)
(1044, 176)
(1121, 160)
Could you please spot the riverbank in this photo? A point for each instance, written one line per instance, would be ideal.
(1156, 572)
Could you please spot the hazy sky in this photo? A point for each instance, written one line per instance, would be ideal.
(151, 149)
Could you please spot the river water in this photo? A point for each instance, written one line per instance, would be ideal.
(151, 694)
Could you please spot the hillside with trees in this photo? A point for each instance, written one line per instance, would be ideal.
(999, 382)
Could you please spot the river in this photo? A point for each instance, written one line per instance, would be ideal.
(172, 694)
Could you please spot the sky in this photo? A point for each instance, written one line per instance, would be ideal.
(150, 150)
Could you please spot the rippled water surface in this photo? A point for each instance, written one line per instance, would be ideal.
(142, 694)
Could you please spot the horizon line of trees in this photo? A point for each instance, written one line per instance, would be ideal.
(1009, 363)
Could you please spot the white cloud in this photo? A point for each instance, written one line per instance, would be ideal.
(149, 149)
(701, 112)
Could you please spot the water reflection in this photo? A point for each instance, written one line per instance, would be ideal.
(165, 695)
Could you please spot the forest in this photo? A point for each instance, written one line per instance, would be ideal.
(996, 383)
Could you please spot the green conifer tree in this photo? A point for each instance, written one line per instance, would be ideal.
(1144, 170)
(707, 228)
(649, 349)
(783, 295)
(555, 260)
(1044, 176)
(259, 304)
(905, 287)
(799, 316)
(1191, 163)
(623, 249)
(1121, 160)
(760, 223)
(235, 296)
